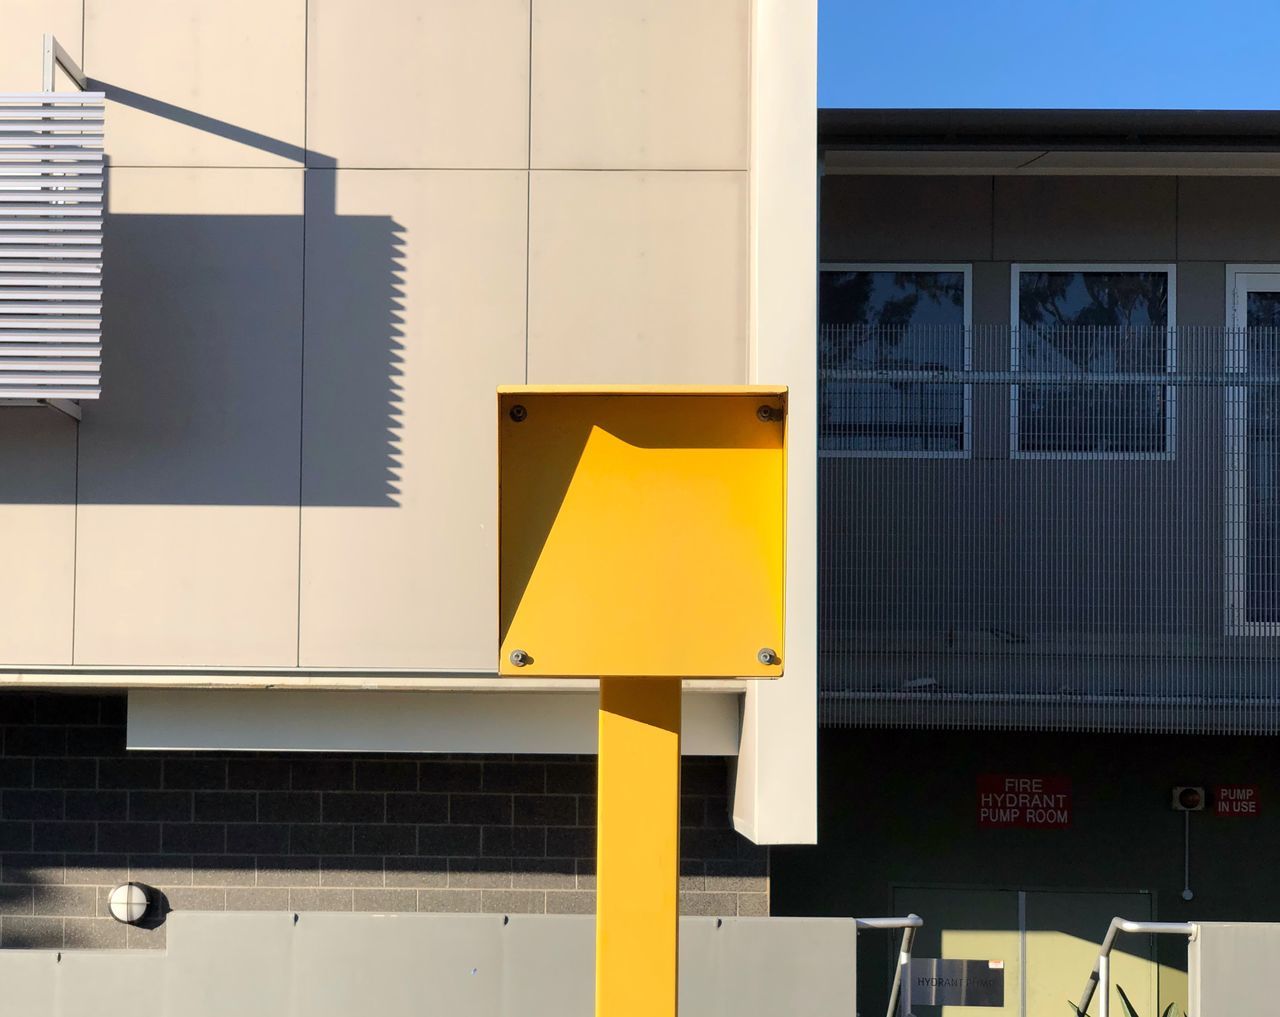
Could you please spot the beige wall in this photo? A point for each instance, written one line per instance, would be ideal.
(291, 465)
(334, 228)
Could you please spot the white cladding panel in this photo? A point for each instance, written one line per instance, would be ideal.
(51, 204)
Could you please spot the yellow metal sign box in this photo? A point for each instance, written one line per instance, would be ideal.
(641, 531)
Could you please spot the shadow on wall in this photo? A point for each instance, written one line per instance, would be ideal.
(205, 400)
(277, 831)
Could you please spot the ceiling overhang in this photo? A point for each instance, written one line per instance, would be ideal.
(1050, 142)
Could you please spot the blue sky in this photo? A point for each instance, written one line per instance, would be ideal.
(1159, 54)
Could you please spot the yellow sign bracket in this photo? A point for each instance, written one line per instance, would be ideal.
(641, 536)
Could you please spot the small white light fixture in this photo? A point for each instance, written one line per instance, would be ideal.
(128, 903)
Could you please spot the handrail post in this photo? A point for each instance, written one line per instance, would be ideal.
(900, 992)
(1100, 977)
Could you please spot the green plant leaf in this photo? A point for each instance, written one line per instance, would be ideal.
(1128, 1007)
(1168, 1010)
(1076, 1010)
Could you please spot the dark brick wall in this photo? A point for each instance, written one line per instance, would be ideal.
(311, 832)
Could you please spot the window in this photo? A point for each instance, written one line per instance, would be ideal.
(1252, 467)
(1073, 323)
(898, 318)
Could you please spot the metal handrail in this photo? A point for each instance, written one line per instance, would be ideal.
(901, 975)
(1101, 974)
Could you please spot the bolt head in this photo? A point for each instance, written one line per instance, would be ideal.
(765, 413)
(519, 658)
(518, 413)
(767, 656)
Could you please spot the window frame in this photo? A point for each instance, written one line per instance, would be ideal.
(1170, 270)
(966, 269)
(1235, 460)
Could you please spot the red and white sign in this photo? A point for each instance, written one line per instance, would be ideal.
(1024, 800)
(1236, 800)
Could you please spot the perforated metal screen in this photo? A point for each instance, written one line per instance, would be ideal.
(1089, 540)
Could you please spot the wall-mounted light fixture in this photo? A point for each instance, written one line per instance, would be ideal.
(129, 902)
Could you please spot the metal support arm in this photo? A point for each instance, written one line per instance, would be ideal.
(55, 56)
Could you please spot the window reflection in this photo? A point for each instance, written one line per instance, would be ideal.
(902, 321)
(1262, 483)
(1072, 322)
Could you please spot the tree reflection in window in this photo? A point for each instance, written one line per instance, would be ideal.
(1093, 323)
(1262, 462)
(886, 320)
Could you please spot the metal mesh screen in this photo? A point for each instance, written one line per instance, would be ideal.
(1090, 541)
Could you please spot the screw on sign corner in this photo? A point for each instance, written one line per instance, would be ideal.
(520, 658)
(518, 413)
(766, 656)
(767, 413)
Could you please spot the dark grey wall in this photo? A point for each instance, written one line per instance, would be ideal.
(970, 571)
(900, 808)
(311, 831)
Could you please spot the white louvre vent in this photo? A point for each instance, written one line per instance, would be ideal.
(50, 245)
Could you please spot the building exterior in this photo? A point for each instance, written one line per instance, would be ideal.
(248, 624)
(1047, 572)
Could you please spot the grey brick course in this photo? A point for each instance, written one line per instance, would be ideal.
(79, 901)
(571, 902)
(31, 933)
(273, 831)
(317, 899)
(696, 903)
(384, 900)
(449, 901)
(353, 871)
(416, 871)
(16, 900)
(516, 902)
(257, 898)
(94, 934)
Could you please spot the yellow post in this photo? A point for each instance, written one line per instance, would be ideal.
(638, 848)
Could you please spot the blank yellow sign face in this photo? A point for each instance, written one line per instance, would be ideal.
(641, 531)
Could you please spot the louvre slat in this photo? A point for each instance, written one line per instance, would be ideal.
(56, 311)
(42, 238)
(50, 202)
(41, 125)
(51, 268)
(28, 377)
(47, 283)
(71, 158)
(61, 293)
(36, 252)
(10, 113)
(50, 176)
(57, 388)
(49, 98)
(82, 349)
(48, 321)
(46, 174)
(58, 339)
(49, 224)
(63, 365)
